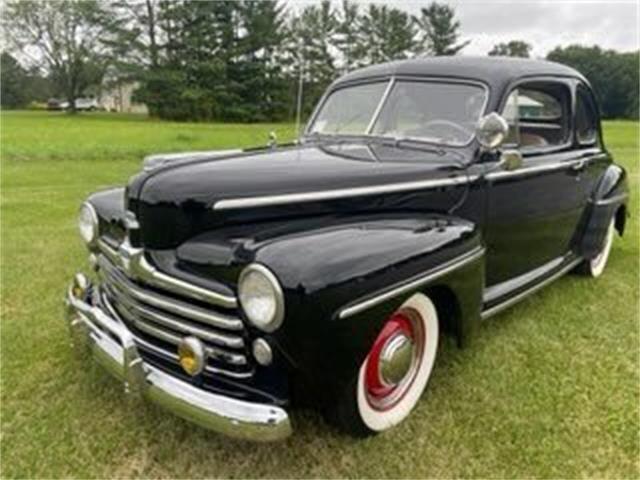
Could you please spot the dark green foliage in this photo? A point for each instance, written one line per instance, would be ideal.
(310, 38)
(439, 30)
(21, 87)
(349, 39)
(613, 75)
(12, 81)
(217, 60)
(243, 60)
(514, 48)
(390, 34)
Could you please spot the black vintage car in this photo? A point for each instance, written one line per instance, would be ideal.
(423, 197)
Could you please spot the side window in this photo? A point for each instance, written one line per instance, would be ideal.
(538, 115)
(586, 117)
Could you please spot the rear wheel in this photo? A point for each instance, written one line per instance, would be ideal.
(391, 379)
(594, 267)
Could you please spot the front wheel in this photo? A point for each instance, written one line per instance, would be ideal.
(594, 267)
(392, 378)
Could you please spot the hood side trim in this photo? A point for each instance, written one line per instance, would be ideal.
(269, 200)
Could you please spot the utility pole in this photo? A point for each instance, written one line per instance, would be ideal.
(300, 86)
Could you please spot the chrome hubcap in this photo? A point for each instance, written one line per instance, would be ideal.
(396, 359)
(392, 363)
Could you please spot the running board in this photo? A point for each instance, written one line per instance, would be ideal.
(568, 263)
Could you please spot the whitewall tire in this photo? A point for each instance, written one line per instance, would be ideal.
(596, 265)
(392, 378)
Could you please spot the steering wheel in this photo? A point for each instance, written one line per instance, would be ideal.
(445, 126)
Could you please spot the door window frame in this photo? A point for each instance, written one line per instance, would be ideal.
(566, 84)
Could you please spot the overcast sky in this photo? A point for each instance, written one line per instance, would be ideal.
(544, 24)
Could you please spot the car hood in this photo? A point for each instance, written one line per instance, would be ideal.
(182, 199)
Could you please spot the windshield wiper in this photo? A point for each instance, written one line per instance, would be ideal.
(426, 145)
(420, 144)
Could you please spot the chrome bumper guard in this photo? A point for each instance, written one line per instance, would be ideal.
(113, 346)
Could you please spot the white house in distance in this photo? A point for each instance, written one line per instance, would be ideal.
(116, 93)
(117, 97)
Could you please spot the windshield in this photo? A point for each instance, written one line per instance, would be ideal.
(432, 111)
(349, 110)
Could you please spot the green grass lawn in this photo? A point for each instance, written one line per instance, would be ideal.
(550, 388)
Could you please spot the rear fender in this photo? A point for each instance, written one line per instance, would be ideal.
(608, 201)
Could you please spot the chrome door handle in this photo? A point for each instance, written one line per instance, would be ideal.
(579, 165)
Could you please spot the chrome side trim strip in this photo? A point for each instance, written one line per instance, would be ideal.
(133, 261)
(112, 276)
(537, 169)
(263, 201)
(413, 284)
(507, 303)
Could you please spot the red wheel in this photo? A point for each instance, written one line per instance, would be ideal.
(391, 365)
(397, 369)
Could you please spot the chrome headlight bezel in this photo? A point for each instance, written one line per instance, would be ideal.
(88, 224)
(257, 272)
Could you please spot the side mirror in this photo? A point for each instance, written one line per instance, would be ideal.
(491, 131)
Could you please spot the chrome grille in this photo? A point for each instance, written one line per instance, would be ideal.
(161, 319)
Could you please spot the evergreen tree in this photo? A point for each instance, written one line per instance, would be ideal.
(310, 39)
(348, 38)
(389, 34)
(258, 65)
(439, 30)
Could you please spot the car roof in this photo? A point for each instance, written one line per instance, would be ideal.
(494, 71)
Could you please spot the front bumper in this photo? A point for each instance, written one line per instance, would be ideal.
(113, 346)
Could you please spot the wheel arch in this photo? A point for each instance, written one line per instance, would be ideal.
(448, 308)
(621, 218)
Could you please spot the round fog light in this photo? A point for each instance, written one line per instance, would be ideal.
(262, 352)
(80, 285)
(191, 355)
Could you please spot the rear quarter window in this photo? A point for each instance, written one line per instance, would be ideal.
(586, 117)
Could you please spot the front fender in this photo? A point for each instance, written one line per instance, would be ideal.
(330, 271)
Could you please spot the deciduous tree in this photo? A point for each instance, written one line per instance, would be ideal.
(613, 75)
(514, 48)
(64, 37)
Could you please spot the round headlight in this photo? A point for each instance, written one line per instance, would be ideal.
(88, 223)
(261, 297)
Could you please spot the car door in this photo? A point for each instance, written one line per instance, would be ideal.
(534, 210)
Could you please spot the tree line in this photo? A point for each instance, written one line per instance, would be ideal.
(243, 60)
